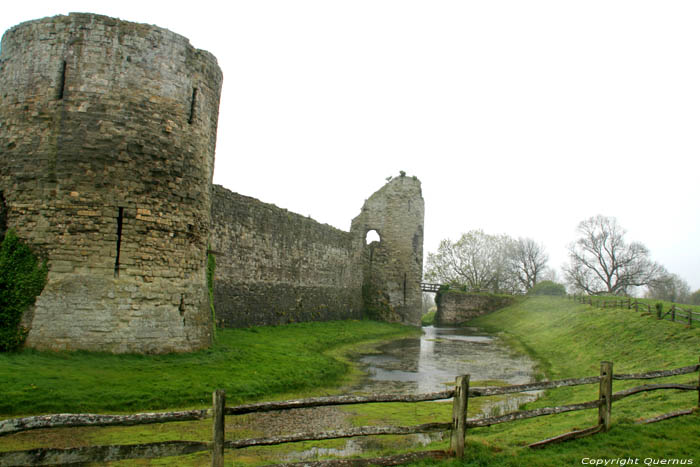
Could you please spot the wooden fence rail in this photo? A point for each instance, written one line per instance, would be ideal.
(458, 426)
(676, 313)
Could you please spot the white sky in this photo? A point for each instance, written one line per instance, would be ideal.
(519, 117)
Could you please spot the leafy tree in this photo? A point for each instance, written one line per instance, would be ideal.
(477, 260)
(21, 279)
(602, 262)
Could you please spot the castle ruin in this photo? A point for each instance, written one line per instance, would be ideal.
(107, 139)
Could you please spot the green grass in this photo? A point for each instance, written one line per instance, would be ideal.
(566, 338)
(570, 340)
(248, 364)
(646, 301)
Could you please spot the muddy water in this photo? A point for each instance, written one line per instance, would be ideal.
(430, 364)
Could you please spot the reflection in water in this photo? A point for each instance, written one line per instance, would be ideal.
(431, 363)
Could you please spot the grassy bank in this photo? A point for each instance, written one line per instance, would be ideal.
(248, 363)
(570, 340)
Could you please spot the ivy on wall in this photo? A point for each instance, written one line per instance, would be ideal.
(22, 278)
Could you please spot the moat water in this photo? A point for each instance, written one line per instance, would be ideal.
(430, 363)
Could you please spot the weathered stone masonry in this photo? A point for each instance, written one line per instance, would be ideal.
(276, 267)
(107, 138)
(455, 307)
(107, 144)
(393, 268)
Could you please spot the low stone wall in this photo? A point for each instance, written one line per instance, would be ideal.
(276, 267)
(455, 307)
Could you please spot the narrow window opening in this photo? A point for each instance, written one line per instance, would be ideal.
(181, 308)
(120, 221)
(62, 81)
(193, 104)
(404, 288)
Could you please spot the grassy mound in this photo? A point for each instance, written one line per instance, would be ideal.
(570, 340)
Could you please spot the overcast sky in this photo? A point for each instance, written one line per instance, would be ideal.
(519, 117)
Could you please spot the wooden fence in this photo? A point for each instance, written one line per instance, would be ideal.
(458, 425)
(675, 313)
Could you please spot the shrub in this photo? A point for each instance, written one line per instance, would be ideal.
(21, 279)
(428, 318)
(547, 288)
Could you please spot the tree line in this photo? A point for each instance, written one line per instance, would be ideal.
(600, 262)
(481, 261)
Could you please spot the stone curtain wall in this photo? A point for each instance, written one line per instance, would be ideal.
(454, 308)
(107, 135)
(393, 267)
(107, 138)
(277, 267)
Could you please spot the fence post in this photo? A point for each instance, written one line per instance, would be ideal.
(605, 395)
(217, 446)
(673, 312)
(459, 415)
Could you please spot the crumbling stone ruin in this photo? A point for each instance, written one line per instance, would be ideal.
(455, 307)
(107, 138)
(393, 267)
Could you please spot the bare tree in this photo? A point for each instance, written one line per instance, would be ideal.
(528, 261)
(601, 261)
(669, 287)
(694, 298)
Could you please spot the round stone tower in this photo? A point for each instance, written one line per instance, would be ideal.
(107, 137)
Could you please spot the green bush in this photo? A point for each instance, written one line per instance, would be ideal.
(428, 319)
(547, 288)
(21, 279)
